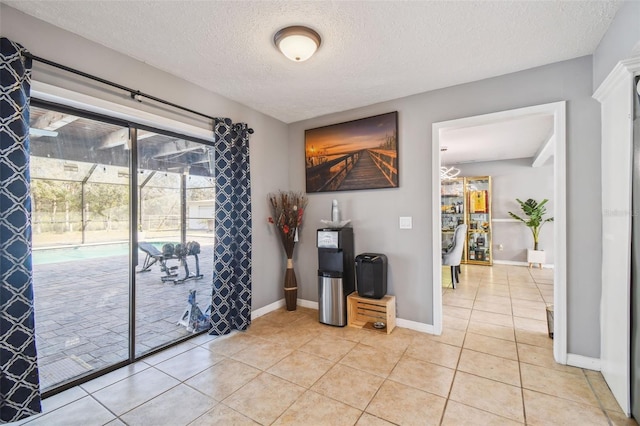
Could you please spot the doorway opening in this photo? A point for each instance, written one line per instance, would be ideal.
(555, 147)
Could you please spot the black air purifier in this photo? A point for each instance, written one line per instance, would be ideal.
(371, 275)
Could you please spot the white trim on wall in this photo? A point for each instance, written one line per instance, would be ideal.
(266, 309)
(560, 232)
(307, 304)
(558, 110)
(583, 362)
(616, 97)
(436, 229)
(516, 263)
(414, 325)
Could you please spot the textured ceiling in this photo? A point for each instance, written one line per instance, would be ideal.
(372, 51)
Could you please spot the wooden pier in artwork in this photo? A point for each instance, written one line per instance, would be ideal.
(364, 169)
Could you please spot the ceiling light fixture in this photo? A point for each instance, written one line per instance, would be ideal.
(447, 173)
(297, 43)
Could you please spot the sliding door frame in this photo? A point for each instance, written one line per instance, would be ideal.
(62, 100)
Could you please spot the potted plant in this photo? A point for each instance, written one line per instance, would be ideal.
(534, 220)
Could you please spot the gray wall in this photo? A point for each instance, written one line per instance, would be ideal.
(620, 40)
(375, 213)
(268, 143)
(511, 179)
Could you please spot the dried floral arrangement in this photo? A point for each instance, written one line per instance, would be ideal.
(287, 209)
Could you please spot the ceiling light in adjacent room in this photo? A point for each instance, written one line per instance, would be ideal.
(447, 173)
(297, 43)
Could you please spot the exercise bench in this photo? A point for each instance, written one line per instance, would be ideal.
(169, 251)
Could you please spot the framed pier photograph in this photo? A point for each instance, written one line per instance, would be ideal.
(359, 154)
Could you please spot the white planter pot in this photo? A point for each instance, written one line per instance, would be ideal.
(535, 256)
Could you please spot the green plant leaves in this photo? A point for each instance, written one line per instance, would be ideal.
(534, 212)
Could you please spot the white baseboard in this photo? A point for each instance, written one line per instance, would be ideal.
(516, 263)
(583, 362)
(266, 309)
(414, 325)
(308, 304)
(279, 304)
(509, 262)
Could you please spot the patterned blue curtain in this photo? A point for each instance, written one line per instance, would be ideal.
(19, 384)
(231, 297)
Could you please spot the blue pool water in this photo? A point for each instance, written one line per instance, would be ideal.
(69, 254)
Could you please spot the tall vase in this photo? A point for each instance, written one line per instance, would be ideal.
(290, 287)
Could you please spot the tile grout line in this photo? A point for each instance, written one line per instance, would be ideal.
(384, 381)
(455, 371)
(308, 389)
(604, 411)
(515, 335)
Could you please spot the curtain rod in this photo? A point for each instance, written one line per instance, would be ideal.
(135, 94)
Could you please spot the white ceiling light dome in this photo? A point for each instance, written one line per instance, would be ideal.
(297, 43)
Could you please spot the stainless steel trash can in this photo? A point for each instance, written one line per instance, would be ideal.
(332, 308)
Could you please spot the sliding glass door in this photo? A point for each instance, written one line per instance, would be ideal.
(99, 187)
(80, 213)
(175, 235)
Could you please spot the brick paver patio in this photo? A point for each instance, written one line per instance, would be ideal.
(82, 312)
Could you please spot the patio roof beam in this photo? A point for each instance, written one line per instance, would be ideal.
(51, 121)
(121, 137)
(177, 147)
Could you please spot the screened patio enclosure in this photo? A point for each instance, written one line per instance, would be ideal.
(85, 202)
(79, 187)
(95, 306)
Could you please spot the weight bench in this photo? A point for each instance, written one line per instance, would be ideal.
(169, 251)
(153, 256)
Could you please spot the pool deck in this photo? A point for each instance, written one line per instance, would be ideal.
(82, 312)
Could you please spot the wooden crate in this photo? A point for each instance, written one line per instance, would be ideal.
(362, 312)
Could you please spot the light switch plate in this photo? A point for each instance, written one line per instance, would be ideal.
(406, 222)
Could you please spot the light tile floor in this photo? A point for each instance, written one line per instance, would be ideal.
(492, 365)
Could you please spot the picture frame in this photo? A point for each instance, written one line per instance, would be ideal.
(354, 155)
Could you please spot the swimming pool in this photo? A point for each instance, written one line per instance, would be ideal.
(44, 256)
(72, 253)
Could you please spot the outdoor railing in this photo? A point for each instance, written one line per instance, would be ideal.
(328, 176)
(387, 161)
